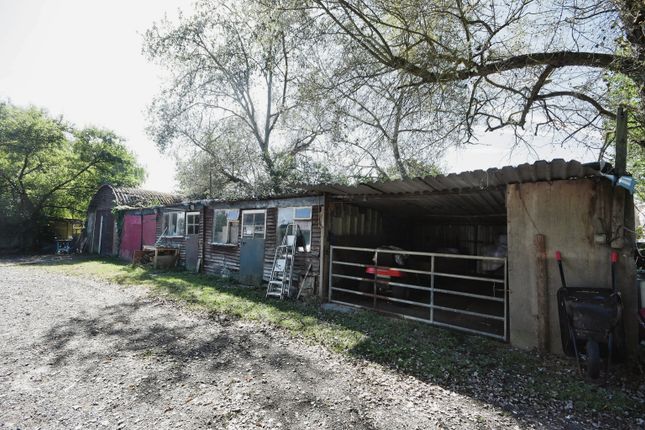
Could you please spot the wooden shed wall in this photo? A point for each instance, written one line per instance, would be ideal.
(174, 242)
(220, 259)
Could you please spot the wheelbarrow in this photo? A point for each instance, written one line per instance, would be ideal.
(591, 322)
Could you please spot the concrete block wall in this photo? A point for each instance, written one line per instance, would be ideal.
(584, 219)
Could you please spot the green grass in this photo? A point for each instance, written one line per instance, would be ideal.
(469, 364)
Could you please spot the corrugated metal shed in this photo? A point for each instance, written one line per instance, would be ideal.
(476, 193)
(474, 180)
(136, 197)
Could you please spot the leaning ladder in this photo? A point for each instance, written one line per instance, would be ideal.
(282, 270)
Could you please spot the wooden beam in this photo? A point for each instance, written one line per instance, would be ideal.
(621, 142)
(542, 290)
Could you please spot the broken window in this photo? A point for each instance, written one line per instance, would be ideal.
(173, 223)
(301, 217)
(226, 226)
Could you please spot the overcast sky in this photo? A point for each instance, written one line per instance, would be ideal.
(82, 59)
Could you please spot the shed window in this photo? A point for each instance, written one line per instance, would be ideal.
(192, 223)
(226, 226)
(301, 217)
(302, 213)
(174, 223)
(254, 224)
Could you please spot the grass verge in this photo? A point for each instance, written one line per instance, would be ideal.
(485, 369)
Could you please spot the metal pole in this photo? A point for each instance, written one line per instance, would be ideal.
(375, 277)
(331, 270)
(432, 289)
(506, 300)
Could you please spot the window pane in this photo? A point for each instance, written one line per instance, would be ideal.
(259, 226)
(303, 213)
(247, 225)
(253, 225)
(234, 232)
(172, 225)
(285, 217)
(305, 230)
(219, 222)
(181, 219)
(233, 214)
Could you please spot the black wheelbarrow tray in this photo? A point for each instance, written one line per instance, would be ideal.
(591, 322)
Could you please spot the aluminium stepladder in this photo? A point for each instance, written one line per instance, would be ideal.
(282, 269)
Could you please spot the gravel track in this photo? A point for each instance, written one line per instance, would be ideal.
(77, 353)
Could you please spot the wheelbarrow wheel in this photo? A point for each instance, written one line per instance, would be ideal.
(593, 359)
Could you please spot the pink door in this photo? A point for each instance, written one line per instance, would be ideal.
(130, 236)
(149, 229)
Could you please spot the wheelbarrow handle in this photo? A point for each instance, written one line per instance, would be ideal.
(614, 256)
(614, 260)
(558, 257)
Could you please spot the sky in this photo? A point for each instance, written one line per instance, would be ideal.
(82, 59)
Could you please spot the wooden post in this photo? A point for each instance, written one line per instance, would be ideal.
(542, 292)
(100, 235)
(621, 142)
(325, 227)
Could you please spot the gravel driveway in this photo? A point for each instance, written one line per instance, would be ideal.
(76, 353)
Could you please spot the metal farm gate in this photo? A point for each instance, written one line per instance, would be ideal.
(462, 292)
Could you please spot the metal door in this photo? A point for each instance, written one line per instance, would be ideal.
(192, 252)
(252, 247)
(251, 261)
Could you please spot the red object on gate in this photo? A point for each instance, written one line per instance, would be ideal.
(558, 255)
(383, 271)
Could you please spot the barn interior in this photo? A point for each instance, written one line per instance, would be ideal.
(438, 257)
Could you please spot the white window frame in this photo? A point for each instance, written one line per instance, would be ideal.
(227, 228)
(254, 211)
(187, 225)
(166, 219)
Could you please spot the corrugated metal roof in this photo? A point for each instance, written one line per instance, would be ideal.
(477, 193)
(136, 197)
(557, 169)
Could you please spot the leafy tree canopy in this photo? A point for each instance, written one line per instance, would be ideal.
(49, 168)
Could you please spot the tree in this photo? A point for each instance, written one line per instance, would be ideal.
(529, 65)
(234, 92)
(385, 128)
(49, 168)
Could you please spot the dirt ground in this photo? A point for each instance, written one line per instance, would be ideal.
(77, 353)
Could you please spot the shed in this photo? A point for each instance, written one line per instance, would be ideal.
(240, 237)
(464, 250)
(180, 226)
(101, 226)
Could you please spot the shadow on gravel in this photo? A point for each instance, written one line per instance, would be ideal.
(172, 353)
(542, 389)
